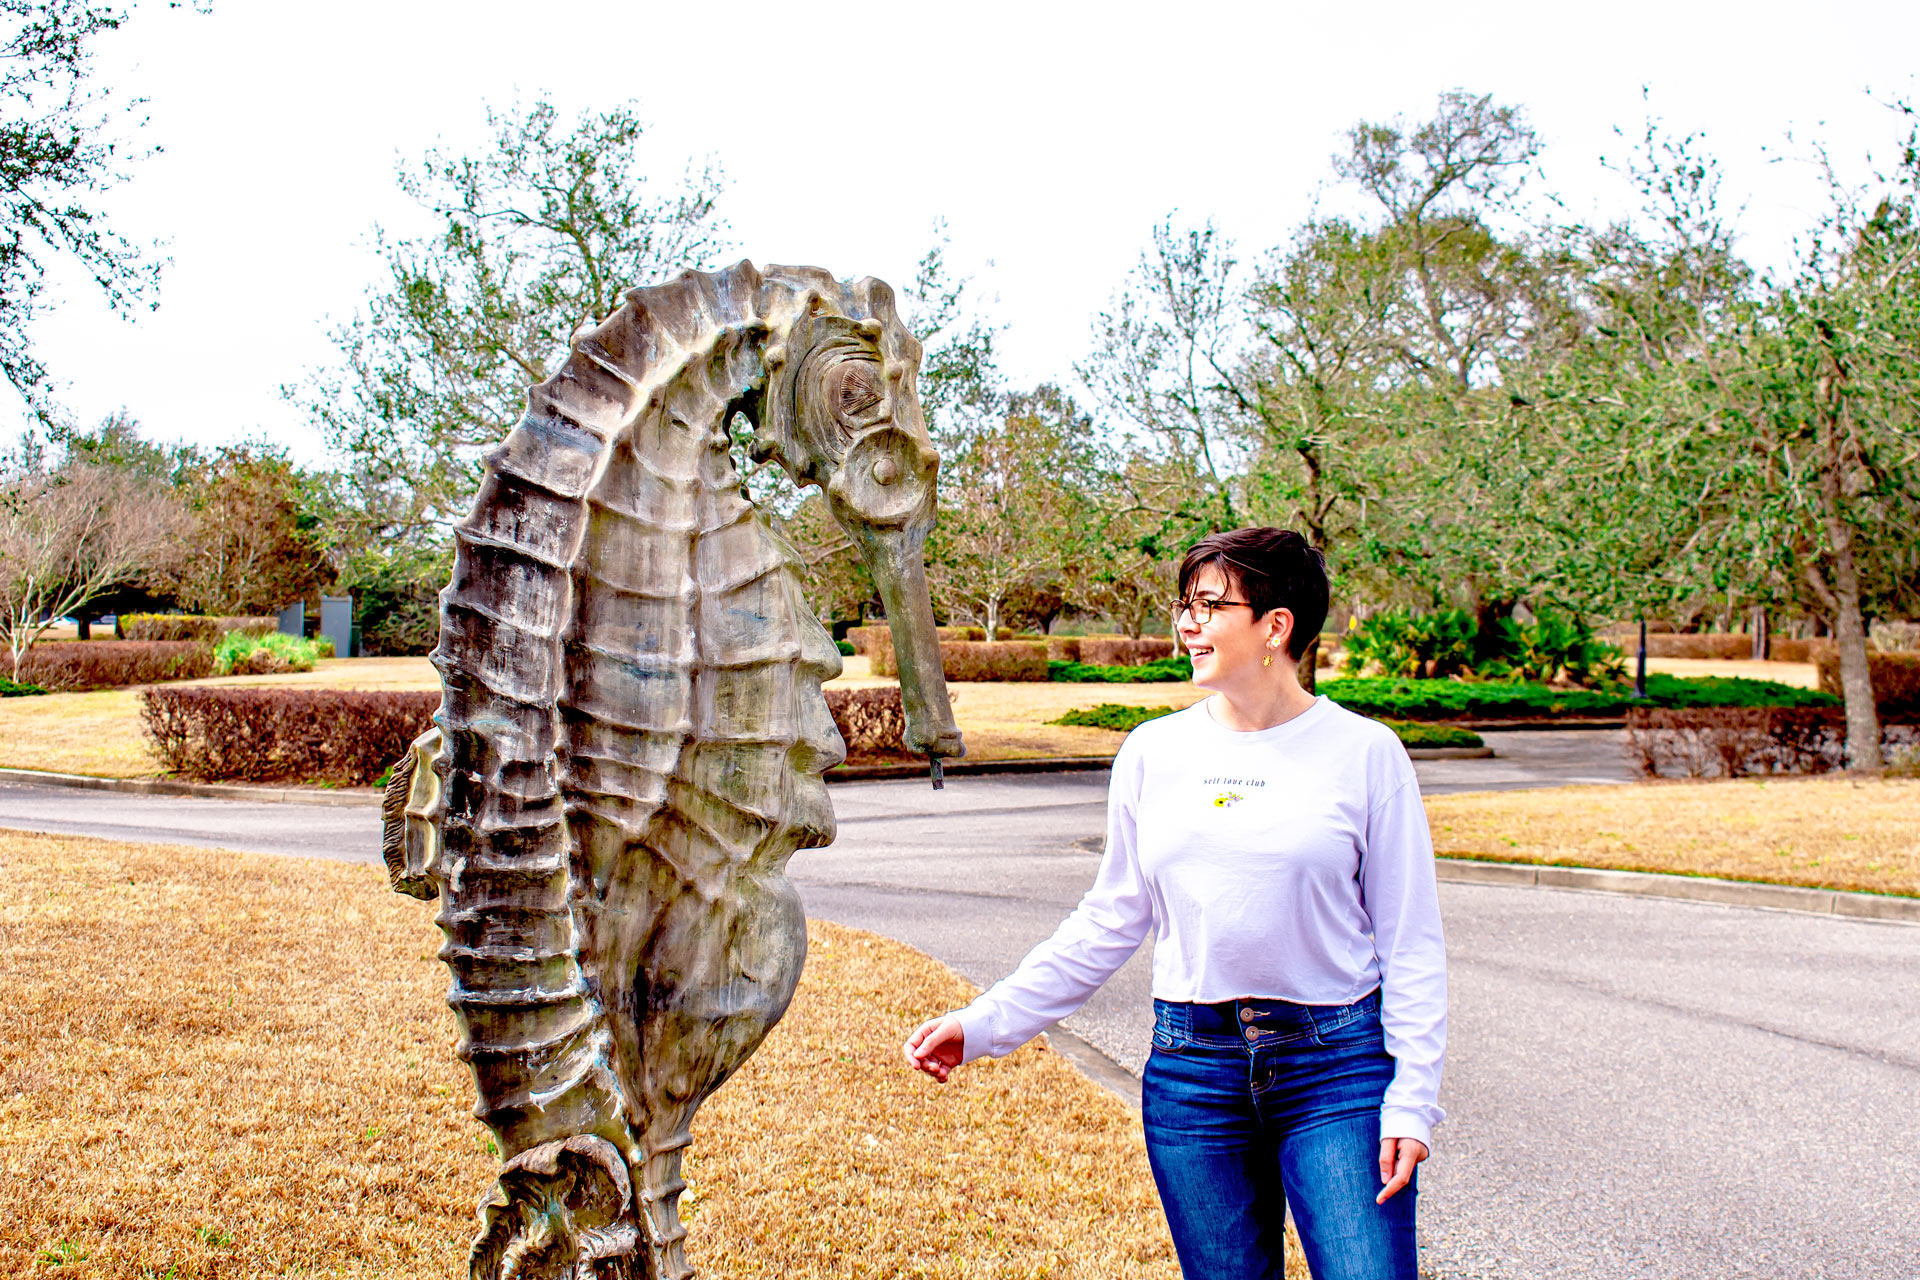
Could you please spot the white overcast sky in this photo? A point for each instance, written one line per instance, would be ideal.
(1051, 136)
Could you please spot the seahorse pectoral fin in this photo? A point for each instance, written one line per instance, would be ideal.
(410, 811)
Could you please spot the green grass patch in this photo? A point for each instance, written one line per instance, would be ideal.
(1414, 733)
(1112, 715)
(11, 689)
(1124, 719)
(1162, 670)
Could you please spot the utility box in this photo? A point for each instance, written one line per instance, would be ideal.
(336, 623)
(293, 619)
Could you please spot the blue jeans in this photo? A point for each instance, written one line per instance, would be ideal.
(1256, 1104)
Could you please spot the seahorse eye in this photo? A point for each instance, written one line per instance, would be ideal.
(853, 387)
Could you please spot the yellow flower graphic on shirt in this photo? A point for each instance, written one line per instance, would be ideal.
(1226, 799)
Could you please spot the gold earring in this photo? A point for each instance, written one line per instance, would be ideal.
(1268, 660)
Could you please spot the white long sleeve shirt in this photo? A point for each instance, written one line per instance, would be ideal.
(1290, 863)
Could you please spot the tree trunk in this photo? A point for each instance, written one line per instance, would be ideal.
(1843, 596)
(1856, 681)
(1762, 634)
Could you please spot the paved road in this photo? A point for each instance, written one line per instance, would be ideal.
(1637, 1088)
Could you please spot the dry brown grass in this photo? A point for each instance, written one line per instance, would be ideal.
(93, 733)
(1826, 832)
(216, 1065)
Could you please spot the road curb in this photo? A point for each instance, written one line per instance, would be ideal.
(1095, 1065)
(203, 790)
(1652, 884)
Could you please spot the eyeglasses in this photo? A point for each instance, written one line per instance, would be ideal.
(1201, 608)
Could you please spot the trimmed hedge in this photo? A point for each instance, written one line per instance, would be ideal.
(1735, 646)
(872, 722)
(876, 640)
(191, 626)
(1791, 649)
(962, 660)
(1064, 648)
(1385, 698)
(1101, 651)
(1724, 646)
(1895, 678)
(347, 737)
(1734, 742)
(1113, 715)
(73, 666)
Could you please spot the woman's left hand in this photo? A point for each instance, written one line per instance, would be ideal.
(1398, 1156)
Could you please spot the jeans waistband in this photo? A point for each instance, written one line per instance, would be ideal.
(1244, 1024)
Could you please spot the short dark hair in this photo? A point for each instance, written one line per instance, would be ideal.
(1273, 569)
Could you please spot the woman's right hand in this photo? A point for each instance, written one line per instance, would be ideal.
(936, 1047)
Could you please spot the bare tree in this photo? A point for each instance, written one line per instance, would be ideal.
(67, 537)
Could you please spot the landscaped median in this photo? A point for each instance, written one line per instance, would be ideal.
(1828, 832)
(221, 1064)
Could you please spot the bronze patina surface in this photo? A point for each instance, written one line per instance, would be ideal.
(632, 737)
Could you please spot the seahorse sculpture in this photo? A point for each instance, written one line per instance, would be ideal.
(632, 736)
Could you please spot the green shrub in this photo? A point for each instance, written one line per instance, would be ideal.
(1450, 642)
(1412, 733)
(8, 689)
(846, 648)
(240, 654)
(1400, 642)
(1165, 670)
(322, 646)
(1551, 646)
(1112, 715)
(1386, 698)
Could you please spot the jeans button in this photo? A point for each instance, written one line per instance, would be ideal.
(1253, 1033)
(1246, 1015)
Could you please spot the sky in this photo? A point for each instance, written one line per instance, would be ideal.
(1050, 136)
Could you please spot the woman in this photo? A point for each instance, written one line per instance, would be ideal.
(1276, 846)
